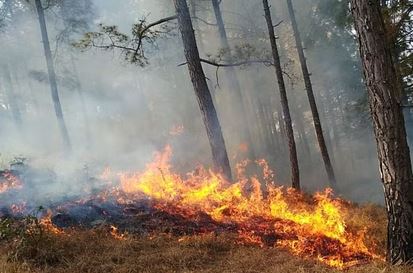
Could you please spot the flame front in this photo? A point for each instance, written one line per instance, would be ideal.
(261, 212)
(272, 216)
(9, 182)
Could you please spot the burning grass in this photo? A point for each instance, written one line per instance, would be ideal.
(99, 250)
(159, 221)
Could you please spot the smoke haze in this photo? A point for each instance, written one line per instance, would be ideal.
(120, 114)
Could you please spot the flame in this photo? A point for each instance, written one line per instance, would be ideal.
(10, 182)
(114, 231)
(47, 224)
(272, 216)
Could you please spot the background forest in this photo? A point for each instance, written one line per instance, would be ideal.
(119, 113)
(206, 136)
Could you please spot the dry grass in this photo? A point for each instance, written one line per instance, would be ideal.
(97, 251)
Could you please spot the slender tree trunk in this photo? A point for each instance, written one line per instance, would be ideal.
(238, 103)
(209, 114)
(385, 106)
(262, 128)
(276, 135)
(268, 125)
(295, 175)
(299, 117)
(11, 97)
(303, 136)
(52, 76)
(33, 95)
(311, 99)
(82, 102)
(281, 123)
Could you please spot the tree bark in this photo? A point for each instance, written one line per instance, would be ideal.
(52, 76)
(295, 175)
(238, 105)
(313, 105)
(385, 106)
(209, 114)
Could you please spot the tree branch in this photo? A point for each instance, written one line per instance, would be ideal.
(148, 27)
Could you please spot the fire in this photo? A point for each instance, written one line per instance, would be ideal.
(47, 224)
(9, 182)
(114, 231)
(254, 207)
(265, 215)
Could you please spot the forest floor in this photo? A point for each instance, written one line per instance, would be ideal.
(100, 250)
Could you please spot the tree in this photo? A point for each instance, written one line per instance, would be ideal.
(11, 96)
(295, 175)
(77, 17)
(313, 105)
(384, 97)
(133, 49)
(238, 104)
(209, 114)
(52, 75)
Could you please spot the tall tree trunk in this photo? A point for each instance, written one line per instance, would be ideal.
(269, 127)
(11, 97)
(385, 106)
(196, 72)
(311, 99)
(295, 174)
(304, 141)
(52, 76)
(299, 125)
(238, 102)
(262, 127)
(283, 132)
(82, 102)
(274, 116)
(326, 133)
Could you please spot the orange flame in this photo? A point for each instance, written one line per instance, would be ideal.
(114, 231)
(10, 182)
(47, 224)
(273, 216)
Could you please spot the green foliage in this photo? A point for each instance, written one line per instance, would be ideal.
(398, 16)
(132, 47)
(20, 229)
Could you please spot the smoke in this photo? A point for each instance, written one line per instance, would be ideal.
(118, 114)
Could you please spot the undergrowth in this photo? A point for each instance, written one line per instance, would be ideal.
(29, 247)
